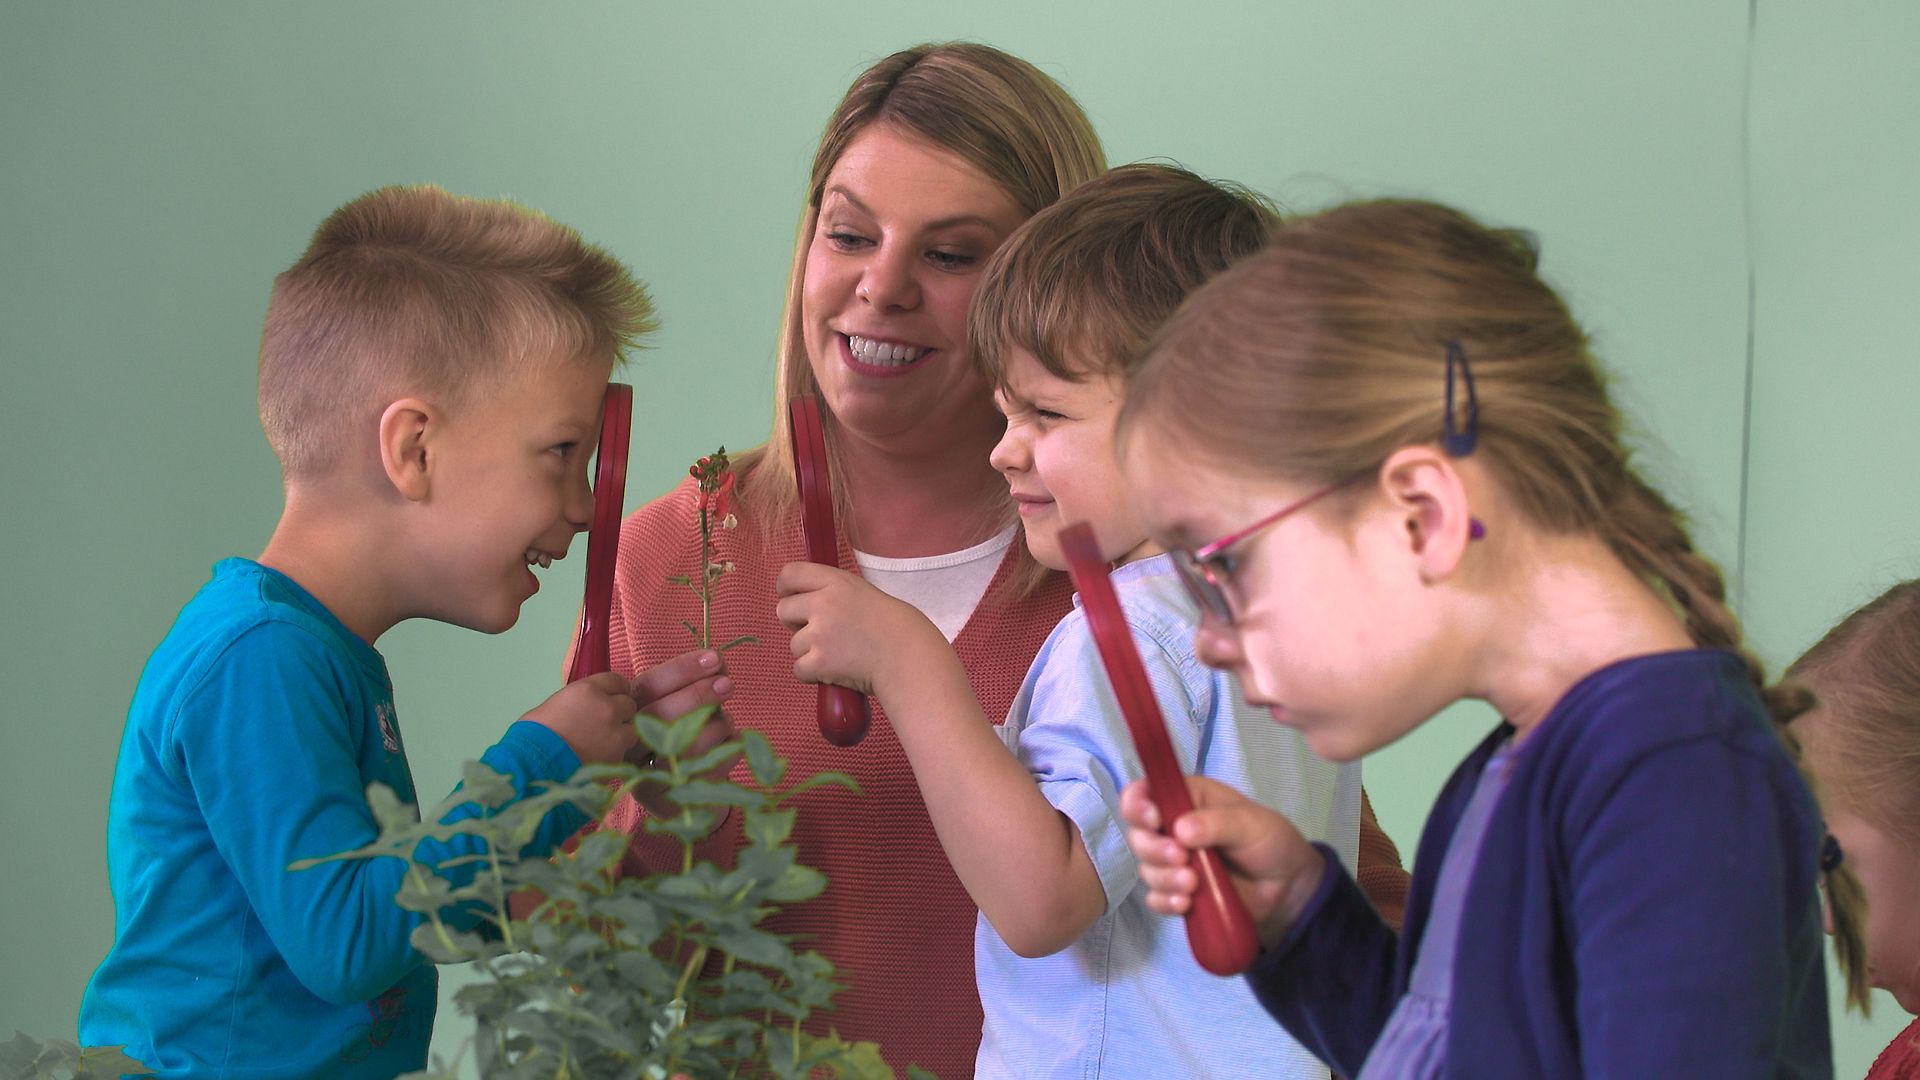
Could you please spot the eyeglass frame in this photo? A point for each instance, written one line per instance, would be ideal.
(1457, 438)
(1196, 568)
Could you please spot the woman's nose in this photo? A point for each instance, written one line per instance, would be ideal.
(888, 280)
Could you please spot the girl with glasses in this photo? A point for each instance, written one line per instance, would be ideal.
(1398, 482)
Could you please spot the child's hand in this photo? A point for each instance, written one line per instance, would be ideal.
(849, 633)
(1274, 868)
(594, 715)
(673, 688)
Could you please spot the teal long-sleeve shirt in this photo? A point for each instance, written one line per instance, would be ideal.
(253, 734)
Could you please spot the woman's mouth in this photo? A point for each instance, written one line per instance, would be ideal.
(871, 356)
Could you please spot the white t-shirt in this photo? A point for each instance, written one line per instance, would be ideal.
(946, 588)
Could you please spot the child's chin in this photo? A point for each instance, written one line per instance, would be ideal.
(1044, 545)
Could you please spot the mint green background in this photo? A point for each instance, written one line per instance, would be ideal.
(1692, 172)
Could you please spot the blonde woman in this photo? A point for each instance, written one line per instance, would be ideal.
(932, 158)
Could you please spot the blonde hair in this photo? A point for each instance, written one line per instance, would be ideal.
(411, 290)
(1084, 283)
(1863, 740)
(994, 111)
(1319, 357)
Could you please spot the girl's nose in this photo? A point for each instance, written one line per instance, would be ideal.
(1216, 644)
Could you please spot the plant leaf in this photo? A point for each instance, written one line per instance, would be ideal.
(767, 767)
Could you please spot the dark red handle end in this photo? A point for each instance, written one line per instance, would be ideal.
(843, 715)
(1221, 933)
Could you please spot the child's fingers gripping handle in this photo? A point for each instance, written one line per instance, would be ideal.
(842, 712)
(1220, 930)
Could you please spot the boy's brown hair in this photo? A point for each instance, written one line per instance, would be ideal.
(1084, 283)
(412, 290)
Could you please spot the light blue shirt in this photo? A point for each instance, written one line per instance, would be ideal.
(1127, 999)
(257, 725)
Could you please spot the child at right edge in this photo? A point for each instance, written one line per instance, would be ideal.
(1076, 978)
(1862, 744)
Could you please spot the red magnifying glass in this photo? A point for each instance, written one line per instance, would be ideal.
(842, 712)
(1219, 929)
(590, 643)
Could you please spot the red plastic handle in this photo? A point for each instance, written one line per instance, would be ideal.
(1219, 928)
(842, 712)
(590, 651)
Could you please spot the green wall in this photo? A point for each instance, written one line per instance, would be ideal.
(159, 163)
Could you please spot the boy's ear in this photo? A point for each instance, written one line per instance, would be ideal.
(409, 430)
(1426, 492)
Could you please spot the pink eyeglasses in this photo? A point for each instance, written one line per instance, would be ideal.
(1207, 570)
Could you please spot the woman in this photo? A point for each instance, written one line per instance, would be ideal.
(935, 154)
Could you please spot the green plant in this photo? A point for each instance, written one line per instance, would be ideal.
(24, 1058)
(622, 977)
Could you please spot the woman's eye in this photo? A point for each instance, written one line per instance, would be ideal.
(950, 260)
(845, 241)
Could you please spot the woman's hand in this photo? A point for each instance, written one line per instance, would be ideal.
(848, 633)
(1273, 868)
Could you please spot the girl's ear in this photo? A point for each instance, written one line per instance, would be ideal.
(407, 428)
(1424, 488)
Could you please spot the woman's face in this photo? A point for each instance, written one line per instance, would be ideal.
(904, 231)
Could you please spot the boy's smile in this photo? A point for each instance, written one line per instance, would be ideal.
(1057, 456)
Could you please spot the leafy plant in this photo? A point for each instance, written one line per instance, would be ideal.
(613, 976)
(24, 1058)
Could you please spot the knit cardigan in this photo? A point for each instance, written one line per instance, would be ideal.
(894, 919)
(1901, 1059)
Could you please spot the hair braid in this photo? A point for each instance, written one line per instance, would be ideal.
(1650, 536)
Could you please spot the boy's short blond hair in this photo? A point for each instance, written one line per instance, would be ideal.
(1085, 282)
(415, 291)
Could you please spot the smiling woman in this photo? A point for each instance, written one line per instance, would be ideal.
(932, 158)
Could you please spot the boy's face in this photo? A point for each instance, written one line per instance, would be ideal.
(509, 491)
(1057, 456)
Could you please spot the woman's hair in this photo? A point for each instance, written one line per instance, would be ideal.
(994, 111)
(1862, 741)
(1317, 358)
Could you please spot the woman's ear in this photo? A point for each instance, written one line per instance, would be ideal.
(1425, 490)
(407, 428)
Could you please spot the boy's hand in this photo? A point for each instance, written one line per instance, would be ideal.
(594, 715)
(669, 691)
(1273, 868)
(673, 688)
(847, 632)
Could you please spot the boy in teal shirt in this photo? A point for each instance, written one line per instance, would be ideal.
(431, 378)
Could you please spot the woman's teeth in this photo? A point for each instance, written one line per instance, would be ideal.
(884, 354)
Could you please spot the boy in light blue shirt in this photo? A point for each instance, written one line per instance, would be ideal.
(431, 378)
(1077, 978)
